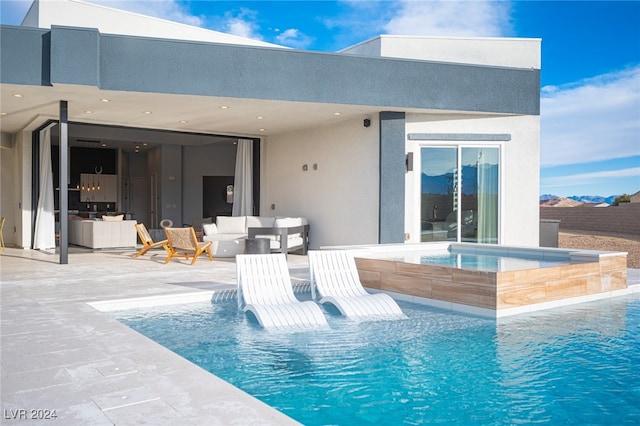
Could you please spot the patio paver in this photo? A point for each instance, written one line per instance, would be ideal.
(60, 354)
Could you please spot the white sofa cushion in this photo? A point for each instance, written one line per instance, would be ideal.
(294, 240)
(209, 228)
(224, 237)
(260, 222)
(288, 222)
(231, 224)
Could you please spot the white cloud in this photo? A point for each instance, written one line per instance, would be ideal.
(609, 182)
(294, 38)
(239, 27)
(363, 19)
(164, 9)
(242, 23)
(592, 177)
(450, 18)
(359, 19)
(592, 120)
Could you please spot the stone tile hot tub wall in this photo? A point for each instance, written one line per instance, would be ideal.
(593, 273)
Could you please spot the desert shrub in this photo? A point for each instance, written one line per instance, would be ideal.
(624, 198)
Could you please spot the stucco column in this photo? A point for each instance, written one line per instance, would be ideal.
(392, 170)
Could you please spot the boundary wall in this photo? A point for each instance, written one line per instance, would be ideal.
(621, 219)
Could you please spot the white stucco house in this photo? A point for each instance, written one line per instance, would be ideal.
(396, 139)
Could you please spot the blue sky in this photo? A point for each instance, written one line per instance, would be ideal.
(590, 106)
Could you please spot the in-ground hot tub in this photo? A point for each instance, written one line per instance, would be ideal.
(491, 279)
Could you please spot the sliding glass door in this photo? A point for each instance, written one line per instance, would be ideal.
(438, 187)
(459, 188)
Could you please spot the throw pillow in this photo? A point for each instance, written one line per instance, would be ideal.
(209, 228)
(231, 225)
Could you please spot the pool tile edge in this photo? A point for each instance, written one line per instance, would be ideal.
(152, 301)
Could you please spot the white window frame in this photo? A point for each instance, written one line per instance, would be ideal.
(413, 184)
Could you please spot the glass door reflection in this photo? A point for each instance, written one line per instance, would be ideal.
(459, 194)
(438, 188)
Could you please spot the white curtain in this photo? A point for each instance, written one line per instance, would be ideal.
(45, 229)
(243, 181)
(488, 195)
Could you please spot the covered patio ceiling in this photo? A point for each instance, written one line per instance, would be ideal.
(25, 107)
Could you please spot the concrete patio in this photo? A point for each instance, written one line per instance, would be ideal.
(62, 356)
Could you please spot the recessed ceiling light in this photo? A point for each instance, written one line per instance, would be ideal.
(260, 117)
(103, 145)
(88, 112)
(262, 130)
(224, 107)
(183, 121)
(3, 113)
(17, 95)
(105, 100)
(145, 144)
(337, 113)
(146, 112)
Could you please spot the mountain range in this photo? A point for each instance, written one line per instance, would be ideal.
(597, 199)
(445, 183)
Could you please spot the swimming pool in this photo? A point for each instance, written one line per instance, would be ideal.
(572, 365)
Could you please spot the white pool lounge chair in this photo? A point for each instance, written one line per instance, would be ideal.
(264, 288)
(335, 280)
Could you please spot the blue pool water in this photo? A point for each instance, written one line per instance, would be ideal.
(480, 262)
(575, 365)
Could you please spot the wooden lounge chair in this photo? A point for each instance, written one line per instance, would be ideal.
(335, 280)
(183, 242)
(147, 241)
(264, 288)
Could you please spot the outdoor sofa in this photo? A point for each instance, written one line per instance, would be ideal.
(107, 232)
(228, 234)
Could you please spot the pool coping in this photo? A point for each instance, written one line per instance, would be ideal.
(207, 296)
(152, 301)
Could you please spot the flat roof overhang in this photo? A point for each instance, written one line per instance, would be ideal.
(184, 85)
